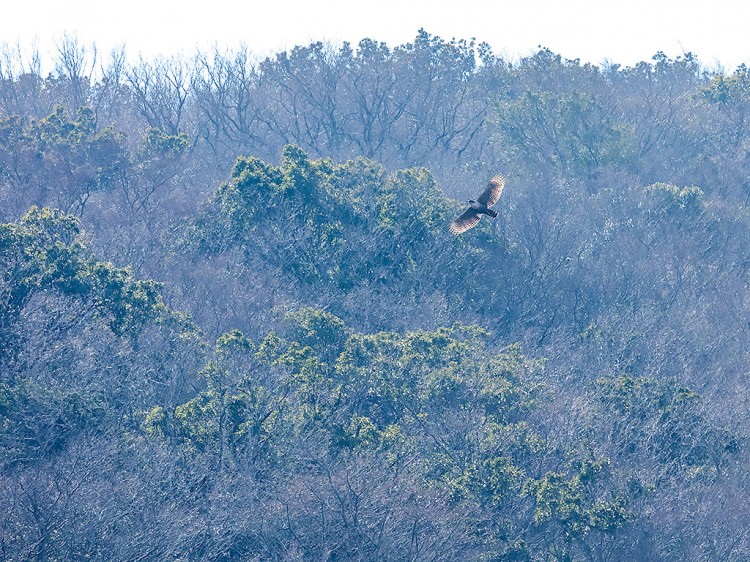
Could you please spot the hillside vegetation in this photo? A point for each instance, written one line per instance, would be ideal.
(234, 324)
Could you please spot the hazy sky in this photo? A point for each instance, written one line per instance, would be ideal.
(625, 32)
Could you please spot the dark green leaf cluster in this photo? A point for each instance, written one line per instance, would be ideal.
(337, 228)
(43, 254)
(436, 410)
(57, 159)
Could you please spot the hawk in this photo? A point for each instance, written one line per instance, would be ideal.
(470, 217)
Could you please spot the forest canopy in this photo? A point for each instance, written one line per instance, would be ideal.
(234, 324)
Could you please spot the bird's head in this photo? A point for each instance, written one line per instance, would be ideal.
(471, 201)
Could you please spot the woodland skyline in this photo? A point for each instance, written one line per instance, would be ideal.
(234, 324)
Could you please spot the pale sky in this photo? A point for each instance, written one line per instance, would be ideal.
(624, 32)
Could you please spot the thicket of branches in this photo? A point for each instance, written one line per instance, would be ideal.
(234, 325)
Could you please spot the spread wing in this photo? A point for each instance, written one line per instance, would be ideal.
(468, 219)
(493, 191)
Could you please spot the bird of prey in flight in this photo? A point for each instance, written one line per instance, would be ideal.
(470, 217)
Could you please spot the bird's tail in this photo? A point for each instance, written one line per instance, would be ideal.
(492, 213)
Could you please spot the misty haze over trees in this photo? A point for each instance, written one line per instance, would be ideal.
(234, 324)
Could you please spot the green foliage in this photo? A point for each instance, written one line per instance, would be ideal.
(562, 498)
(44, 252)
(558, 123)
(61, 372)
(234, 341)
(37, 422)
(575, 133)
(495, 481)
(57, 128)
(324, 332)
(725, 90)
(667, 200)
(247, 196)
(439, 404)
(59, 159)
(410, 202)
(337, 229)
(360, 400)
(643, 396)
(666, 420)
(380, 394)
(159, 143)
